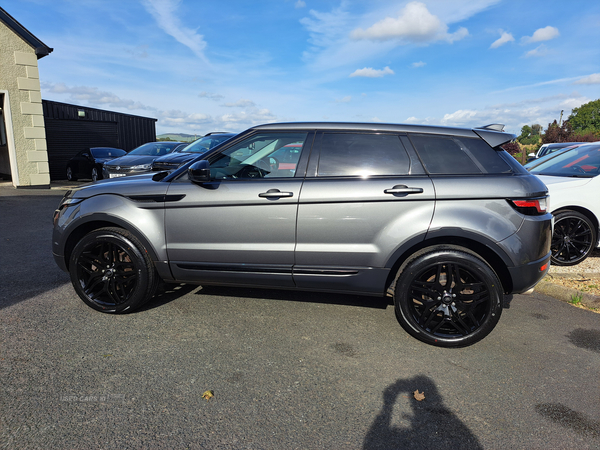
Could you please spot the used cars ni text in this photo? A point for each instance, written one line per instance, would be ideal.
(441, 219)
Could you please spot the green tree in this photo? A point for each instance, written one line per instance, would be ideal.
(525, 132)
(536, 129)
(586, 118)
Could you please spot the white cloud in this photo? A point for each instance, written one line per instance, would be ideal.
(242, 103)
(537, 52)
(300, 4)
(163, 12)
(167, 119)
(418, 64)
(590, 79)
(346, 99)
(504, 39)
(369, 72)
(542, 34)
(414, 24)
(210, 95)
(574, 102)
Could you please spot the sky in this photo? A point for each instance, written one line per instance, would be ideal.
(202, 66)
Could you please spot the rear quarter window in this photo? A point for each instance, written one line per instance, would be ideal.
(451, 155)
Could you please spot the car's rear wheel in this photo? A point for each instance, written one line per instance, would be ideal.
(573, 239)
(111, 271)
(70, 175)
(448, 298)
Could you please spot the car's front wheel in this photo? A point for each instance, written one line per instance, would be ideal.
(573, 239)
(448, 297)
(95, 174)
(111, 271)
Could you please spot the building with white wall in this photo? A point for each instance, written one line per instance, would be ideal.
(23, 149)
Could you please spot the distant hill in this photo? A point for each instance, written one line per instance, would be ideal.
(180, 137)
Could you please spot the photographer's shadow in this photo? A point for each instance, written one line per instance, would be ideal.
(430, 424)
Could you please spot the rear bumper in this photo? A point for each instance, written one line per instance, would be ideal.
(528, 275)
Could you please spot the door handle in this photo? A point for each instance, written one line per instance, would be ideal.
(275, 193)
(402, 189)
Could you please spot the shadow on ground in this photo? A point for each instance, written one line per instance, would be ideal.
(426, 424)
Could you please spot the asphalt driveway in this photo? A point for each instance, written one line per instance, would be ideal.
(288, 369)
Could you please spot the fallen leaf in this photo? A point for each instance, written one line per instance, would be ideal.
(419, 396)
(208, 395)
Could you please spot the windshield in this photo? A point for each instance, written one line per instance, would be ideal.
(154, 149)
(107, 152)
(206, 143)
(583, 161)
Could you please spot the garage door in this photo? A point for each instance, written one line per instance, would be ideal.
(65, 138)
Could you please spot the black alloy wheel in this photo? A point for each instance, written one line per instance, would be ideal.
(111, 271)
(448, 298)
(573, 239)
(95, 175)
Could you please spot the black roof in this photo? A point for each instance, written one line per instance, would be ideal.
(41, 49)
(488, 133)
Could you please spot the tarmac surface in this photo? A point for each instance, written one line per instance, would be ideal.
(287, 369)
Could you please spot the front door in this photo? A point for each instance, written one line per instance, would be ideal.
(240, 228)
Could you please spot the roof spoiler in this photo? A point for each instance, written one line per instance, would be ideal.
(493, 127)
(494, 134)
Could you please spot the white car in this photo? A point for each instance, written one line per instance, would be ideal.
(574, 186)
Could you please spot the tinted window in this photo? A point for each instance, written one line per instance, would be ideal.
(347, 154)
(449, 155)
(206, 143)
(154, 149)
(107, 152)
(257, 157)
(489, 159)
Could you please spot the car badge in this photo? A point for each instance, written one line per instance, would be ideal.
(118, 168)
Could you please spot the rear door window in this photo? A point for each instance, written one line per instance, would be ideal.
(353, 154)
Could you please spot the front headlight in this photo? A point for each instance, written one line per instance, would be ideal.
(142, 167)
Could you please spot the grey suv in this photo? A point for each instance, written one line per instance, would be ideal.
(441, 219)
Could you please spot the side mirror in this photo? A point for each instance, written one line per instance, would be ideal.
(199, 172)
(531, 155)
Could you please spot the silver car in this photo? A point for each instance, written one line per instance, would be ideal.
(441, 219)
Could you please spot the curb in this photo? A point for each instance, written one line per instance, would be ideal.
(566, 294)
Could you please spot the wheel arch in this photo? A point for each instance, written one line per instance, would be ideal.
(97, 221)
(488, 251)
(580, 209)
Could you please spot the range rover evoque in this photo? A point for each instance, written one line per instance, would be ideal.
(441, 219)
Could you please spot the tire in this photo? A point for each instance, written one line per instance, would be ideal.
(95, 175)
(112, 272)
(573, 239)
(70, 175)
(448, 298)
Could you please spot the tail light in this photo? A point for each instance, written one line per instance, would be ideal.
(531, 206)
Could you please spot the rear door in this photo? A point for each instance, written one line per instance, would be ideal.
(365, 196)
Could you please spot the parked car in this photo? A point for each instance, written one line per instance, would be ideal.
(184, 154)
(536, 162)
(88, 163)
(573, 182)
(547, 149)
(443, 220)
(138, 160)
